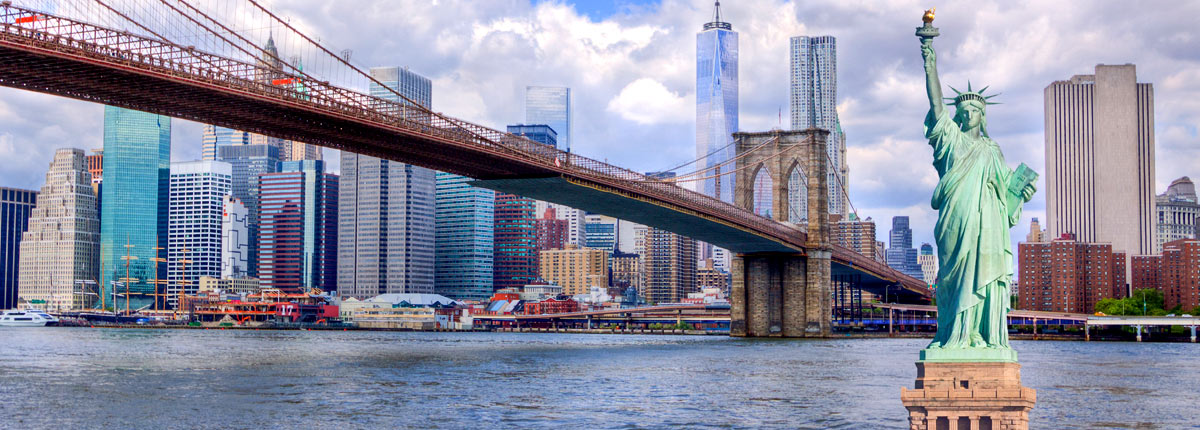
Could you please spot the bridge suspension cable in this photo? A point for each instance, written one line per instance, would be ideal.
(685, 177)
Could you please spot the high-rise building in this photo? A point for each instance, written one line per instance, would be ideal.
(463, 266)
(515, 261)
(415, 89)
(235, 238)
(297, 239)
(814, 105)
(716, 105)
(577, 270)
(854, 233)
(1176, 273)
(539, 133)
(1036, 232)
(60, 251)
(133, 219)
(1178, 213)
(550, 106)
(670, 266)
(95, 164)
(900, 253)
(600, 232)
(303, 151)
(1100, 159)
(1065, 275)
(626, 271)
(386, 236)
(215, 137)
(929, 264)
(249, 162)
(197, 212)
(551, 231)
(15, 208)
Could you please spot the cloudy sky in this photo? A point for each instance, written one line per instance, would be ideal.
(631, 67)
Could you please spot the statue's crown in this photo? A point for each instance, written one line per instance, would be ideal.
(971, 94)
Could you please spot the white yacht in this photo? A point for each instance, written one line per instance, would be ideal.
(26, 318)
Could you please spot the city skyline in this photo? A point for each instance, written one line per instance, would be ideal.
(642, 88)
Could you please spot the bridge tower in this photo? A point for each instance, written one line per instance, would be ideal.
(784, 294)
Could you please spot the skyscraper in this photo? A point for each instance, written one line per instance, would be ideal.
(900, 253)
(249, 162)
(215, 137)
(62, 244)
(540, 133)
(235, 238)
(814, 105)
(463, 266)
(197, 208)
(600, 232)
(550, 106)
(515, 262)
(716, 104)
(15, 208)
(670, 264)
(929, 264)
(386, 236)
(133, 220)
(1178, 213)
(297, 240)
(1100, 159)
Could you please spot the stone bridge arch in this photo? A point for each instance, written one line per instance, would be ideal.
(784, 294)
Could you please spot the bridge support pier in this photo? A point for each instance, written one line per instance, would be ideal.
(1193, 334)
(781, 295)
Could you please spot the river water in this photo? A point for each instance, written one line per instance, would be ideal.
(124, 378)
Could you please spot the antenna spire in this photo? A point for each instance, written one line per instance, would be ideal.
(716, 22)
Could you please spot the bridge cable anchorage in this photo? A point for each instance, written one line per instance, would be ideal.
(686, 177)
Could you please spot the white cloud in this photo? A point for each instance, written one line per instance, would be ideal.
(647, 101)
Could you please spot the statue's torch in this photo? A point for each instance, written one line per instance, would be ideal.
(927, 32)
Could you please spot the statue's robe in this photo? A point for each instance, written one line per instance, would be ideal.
(975, 212)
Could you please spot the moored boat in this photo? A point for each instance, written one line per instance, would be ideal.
(26, 318)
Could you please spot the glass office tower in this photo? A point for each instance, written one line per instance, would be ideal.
(550, 106)
(716, 104)
(133, 220)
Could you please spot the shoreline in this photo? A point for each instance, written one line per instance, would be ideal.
(846, 335)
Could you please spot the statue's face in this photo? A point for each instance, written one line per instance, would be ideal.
(970, 114)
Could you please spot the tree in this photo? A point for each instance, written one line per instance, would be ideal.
(1145, 301)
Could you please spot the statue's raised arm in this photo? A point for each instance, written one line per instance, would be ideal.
(933, 86)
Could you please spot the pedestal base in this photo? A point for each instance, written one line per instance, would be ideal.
(968, 396)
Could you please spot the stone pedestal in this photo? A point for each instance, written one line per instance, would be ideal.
(968, 396)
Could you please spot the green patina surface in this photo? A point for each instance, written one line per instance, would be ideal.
(978, 199)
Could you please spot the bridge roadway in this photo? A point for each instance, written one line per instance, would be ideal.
(72, 58)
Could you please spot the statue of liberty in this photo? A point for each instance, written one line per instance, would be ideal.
(978, 199)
